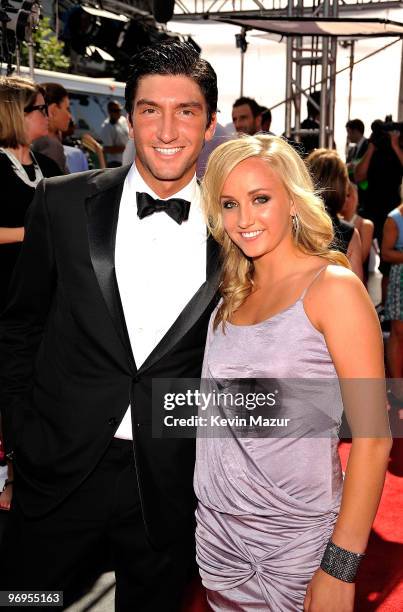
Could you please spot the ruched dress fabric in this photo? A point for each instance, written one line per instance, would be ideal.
(267, 506)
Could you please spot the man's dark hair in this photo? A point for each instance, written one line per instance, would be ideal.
(356, 124)
(266, 116)
(112, 105)
(173, 58)
(54, 93)
(253, 105)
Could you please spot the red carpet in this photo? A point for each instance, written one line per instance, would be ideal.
(380, 584)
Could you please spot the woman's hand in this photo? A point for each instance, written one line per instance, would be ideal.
(8, 235)
(328, 594)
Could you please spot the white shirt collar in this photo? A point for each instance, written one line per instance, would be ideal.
(136, 182)
(360, 142)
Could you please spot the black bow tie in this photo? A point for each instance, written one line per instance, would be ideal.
(176, 208)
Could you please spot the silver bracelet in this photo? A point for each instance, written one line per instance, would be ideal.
(340, 563)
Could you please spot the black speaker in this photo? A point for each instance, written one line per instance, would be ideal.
(163, 10)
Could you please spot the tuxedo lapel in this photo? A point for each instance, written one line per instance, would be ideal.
(360, 150)
(194, 308)
(213, 261)
(102, 217)
(187, 318)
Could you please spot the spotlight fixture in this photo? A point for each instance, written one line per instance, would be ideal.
(22, 15)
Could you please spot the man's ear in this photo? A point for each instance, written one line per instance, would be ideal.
(210, 131)
(258, 123)
(130, 126)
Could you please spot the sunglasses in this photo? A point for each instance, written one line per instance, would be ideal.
(42, 108)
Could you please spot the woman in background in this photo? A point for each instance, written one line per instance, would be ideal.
(392, 252)
(58, 102)
(331, 177)
(276, 528)
(365, 227)
(23, 117)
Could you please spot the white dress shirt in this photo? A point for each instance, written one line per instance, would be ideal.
(159, 267)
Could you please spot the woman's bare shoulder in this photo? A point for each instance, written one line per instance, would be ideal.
(337, 295)
(338, 281)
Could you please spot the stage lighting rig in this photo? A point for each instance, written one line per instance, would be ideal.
(22, 15)
(18, 18)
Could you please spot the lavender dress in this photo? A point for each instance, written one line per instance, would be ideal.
(267, 506)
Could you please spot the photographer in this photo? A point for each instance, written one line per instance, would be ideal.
(382, 167)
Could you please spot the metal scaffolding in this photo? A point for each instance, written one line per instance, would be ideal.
(313, 54)
(202, 9)
(309, 59)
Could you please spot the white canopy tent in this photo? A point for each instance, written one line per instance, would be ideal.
(312, 42)
(313, 26)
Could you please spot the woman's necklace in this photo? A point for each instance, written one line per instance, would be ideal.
(20, 170)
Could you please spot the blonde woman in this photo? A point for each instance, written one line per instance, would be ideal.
(23, 117)
(276, 528)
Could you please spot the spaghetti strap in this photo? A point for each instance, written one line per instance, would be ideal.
(312, 282)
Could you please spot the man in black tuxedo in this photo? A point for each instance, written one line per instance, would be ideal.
(355, 134)
(115, 286)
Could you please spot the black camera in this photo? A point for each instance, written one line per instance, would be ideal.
(380, 137)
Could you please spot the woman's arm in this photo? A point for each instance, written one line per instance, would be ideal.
(366, 232)
(9, 235)
(390, 234)
(366, 468)
(354, 254)
(354, 340)
(361, 169)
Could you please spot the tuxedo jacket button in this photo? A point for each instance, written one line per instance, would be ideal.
(113, 421)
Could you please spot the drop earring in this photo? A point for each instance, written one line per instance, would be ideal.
(296, 227)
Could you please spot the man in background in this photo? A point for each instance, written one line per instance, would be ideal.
(114, 135)
(265, 119)
(246, 116)
(355, 135)
(310, 142)
(381, 167)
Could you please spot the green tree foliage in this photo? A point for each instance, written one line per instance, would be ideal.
(48, 51)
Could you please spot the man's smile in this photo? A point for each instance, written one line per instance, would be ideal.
(168, 150)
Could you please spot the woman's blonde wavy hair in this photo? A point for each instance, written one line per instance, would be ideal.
(314, 231)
